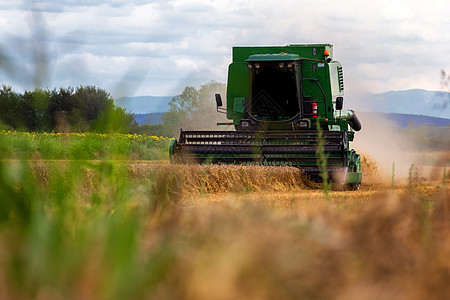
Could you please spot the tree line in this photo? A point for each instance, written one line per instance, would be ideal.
(81, 109)
(91, 109)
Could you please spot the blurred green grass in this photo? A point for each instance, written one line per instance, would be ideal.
(72, 230)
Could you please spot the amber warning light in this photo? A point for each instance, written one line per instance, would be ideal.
(326, 53)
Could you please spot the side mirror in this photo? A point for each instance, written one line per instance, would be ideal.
(339, 103)
(218, 100)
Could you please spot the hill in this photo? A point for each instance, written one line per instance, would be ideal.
(410, 102)
(144, 104)
(404, 120)
(151, 118)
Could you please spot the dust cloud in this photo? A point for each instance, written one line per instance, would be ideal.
(382, 141)
(388, 144)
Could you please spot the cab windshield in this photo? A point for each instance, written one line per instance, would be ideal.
(273, 91)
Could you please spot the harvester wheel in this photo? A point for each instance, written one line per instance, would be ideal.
(353, 186)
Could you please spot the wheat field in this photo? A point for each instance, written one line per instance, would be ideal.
(105, 229)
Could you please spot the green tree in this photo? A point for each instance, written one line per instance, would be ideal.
(207, 115)
(181, 111)
(60, 108)
(81, 109)
(88, 103)
(35, 110)
(193, 110)
(114, 119)
(8, 107)
(88, 108)
(187, 101)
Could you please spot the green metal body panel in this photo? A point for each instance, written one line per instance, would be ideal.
(353, 177)
(273, 57)
(237, 87)
(241, 54)
(171, 148)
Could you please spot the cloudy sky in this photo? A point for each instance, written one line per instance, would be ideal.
(157, 47)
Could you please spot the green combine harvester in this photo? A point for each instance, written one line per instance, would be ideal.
(284, 102)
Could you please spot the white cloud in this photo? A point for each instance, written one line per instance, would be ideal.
(161, 46)
(397, 10)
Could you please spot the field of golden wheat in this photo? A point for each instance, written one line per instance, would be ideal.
(114, 229)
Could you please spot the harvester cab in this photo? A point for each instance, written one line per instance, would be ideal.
(283, 101)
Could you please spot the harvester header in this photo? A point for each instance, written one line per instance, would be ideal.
(280, 100)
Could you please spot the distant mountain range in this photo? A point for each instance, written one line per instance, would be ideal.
(144, 104)
(415, 102)
(404, 120)
(402, 107)
(152, 118)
